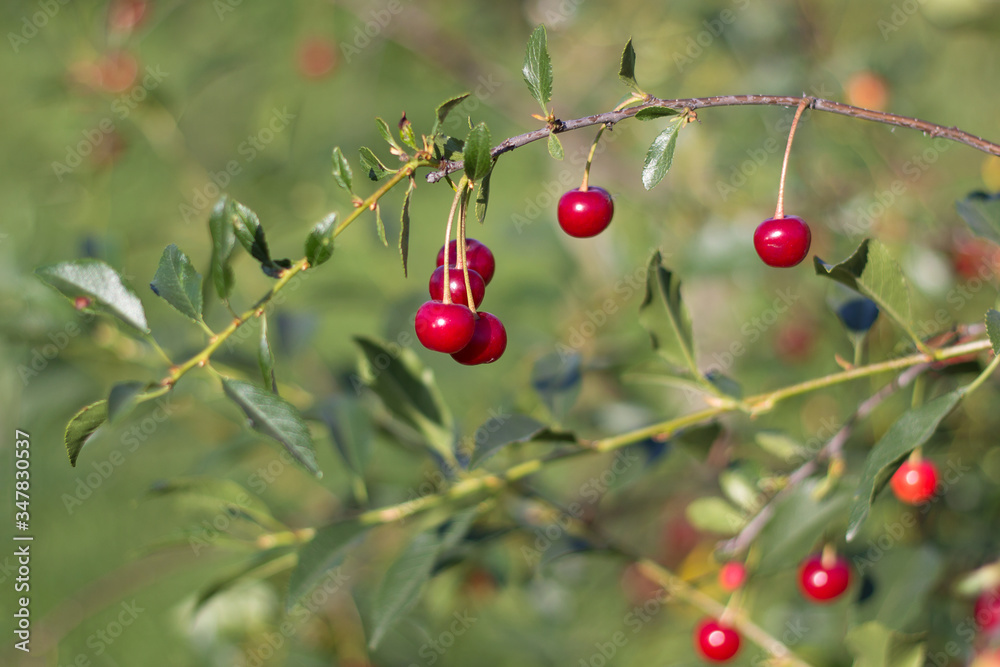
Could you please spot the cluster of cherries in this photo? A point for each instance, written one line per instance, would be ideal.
(823, 577)
(446, 323)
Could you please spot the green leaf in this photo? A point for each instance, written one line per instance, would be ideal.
(380, 226)
(82, 426)
(123, 399)
(797, 525)
(383, 129)
(660, 156)
(981, 212)
(319, 244)
(342, 170)
(652, 113)
(906, 576)
(478, 160)
(781, 445)
(872, 272)
(537, 68)
(406, 133)
(223, 242)
(325, 552)
(715, 515)
(403, 583)
(739, 489)
(483, 197)
(97, 281)
(495, 434)
(404, 229)
(910, 431)
(408, 391)
(555, 147)
(262, 565)
(376, 170)
(664, 315)
(351, 430)
(557, 377)
(178, 283)
(276, 418)
(444, 109)
(265, 358)
(874, 645)
(626, 71)
(249, 232)
(993, 329)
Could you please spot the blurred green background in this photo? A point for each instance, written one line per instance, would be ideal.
(123, 121)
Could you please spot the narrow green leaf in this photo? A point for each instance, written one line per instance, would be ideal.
(82, 426)
(276, 418)
(403, 583)
(404, 229)
(663, 314)
(223, 242)
(376, 170)
(993, 329)
(626, 71)
(97, 281)
(406, 133)
(123, 399)
(178, 283)
(491, 437)
(478, 160)
(798, 523)
(265, 358)
(981, 212)
(324, 553)
(483, 197)
(407, 389)
(444, 109)
(715, 515)
(555, 147)
(249, 232)
(781, 445)
(259, 566)
(380, 226)
(652, 113)
(537, 68)
(319, 244)
(660, 156)
(383, 129)
(351, 430)
(342, 170)
(910, 431)
(872, 272)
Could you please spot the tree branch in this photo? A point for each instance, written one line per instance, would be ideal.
(611, 118)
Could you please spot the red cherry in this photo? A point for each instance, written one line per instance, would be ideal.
(732, 575)
(915, 482)
(716, 642)
(488, 342)
(478, 256)
(782, 242)
(585, 213)
(823, 583)
(118, 71)
(987, 611)
(317, 57)
(457, 280)
(444, 327)
(125, 15)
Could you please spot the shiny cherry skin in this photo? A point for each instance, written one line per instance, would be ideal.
(715, 641)
(782, 242)
(488, 343)
(987, 611)
(478, 256)
(457, 280)
(444, 327)
(824, 582)
(585, 213)
(915, 482)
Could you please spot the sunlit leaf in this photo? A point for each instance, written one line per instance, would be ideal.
(342, 170)
(444, 109)
(652, 113)
(660, 156)
(100, 283)
(537, 67)
(265, 357)
(626, 70)
(83, 425)
(478, 160)
(223, 242)
(178, 283)
(319, 244)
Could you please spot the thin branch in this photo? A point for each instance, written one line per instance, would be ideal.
(611, 118)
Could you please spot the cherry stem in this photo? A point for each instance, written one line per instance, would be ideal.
(590, 158)
(462, 215)
(916, 456)
(447, 241)
(779, 211)
(829, 556)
